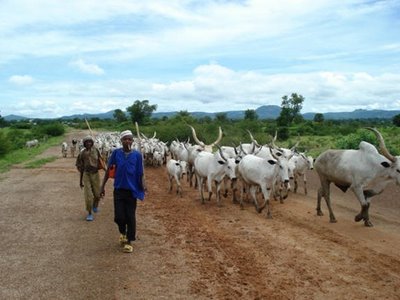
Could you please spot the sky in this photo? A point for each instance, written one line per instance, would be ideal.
(59, 58)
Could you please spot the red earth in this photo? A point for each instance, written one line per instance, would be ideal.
(186, 250)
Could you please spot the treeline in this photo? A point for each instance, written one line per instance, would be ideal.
(313, 136)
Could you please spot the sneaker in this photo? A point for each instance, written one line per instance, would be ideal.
(95, 209)
(127, 248)
(89, 217)
(123, 239)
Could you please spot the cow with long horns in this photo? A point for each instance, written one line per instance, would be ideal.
(364, 171)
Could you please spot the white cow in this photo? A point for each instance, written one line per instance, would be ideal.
(64, 149)
(213, 167)
(261, 172)
(32, 143)
(175, 170)
(364, 171)
(299, 164)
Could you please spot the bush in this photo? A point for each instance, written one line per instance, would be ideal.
(55, 129)
(5, 144)
(353, 140)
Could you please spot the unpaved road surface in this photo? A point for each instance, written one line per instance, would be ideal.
(186, 250)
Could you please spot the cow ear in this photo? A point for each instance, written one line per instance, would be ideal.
(385, 164)
(221, 162)
(272, 162)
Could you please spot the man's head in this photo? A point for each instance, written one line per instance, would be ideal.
(87, 140)
(126, 139)
(126, 134)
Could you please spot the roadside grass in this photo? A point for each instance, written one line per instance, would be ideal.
(28, 155)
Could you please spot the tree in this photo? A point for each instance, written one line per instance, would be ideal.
(319, 118)
(221, 117)
(119, 116)
(291, 108)
(3, 122)
(141, 111)
(396, 120)
(250, 114)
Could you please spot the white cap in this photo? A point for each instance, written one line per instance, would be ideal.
(125, 133)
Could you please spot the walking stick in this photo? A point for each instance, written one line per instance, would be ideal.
(140, 150)
(90, 129)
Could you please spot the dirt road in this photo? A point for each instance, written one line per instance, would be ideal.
(186, 250)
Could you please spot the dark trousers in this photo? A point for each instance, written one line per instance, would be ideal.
(125, 213)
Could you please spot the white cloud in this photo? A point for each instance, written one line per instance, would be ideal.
(340, 55)
(21, 79)
(87, 68)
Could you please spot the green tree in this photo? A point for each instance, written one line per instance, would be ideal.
(319, 118)
(396, 120)
(291, 108)
(119, 116)
(140, 111)
(221, 117)
(250, 114)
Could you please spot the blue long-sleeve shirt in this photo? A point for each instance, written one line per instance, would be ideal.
(129, 171)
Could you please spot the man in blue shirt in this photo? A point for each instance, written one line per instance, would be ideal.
(129, 186)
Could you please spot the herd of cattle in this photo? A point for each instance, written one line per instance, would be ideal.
(251, 169)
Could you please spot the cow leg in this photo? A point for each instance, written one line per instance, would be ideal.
(234, 190)
(305, 183)
(178, 185)
(241, 194)
(364, 215)
(190, 177)
(266, 201)
(225, 186)
(319, 196)
(218, 188)
(363, 196)
(324, 191)
(253, 190)
(200, 187)
(295, 184)
(170, 183)
(209, 187)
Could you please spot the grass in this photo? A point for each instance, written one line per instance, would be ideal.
(22, 155)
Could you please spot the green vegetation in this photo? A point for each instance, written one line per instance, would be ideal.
(314, 136)
(16, 153)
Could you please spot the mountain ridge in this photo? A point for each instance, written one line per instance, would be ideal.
(263, 112)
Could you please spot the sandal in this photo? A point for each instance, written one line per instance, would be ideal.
(128, 248)
(123, 239)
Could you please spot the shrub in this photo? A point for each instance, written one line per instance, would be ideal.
(5, 144)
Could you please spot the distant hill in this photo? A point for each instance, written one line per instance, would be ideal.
(263, 112)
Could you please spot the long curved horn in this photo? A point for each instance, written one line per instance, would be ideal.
(154, 135)
(200, 143)
(385, 152)
(274, 139)
(234, 148)
(241, 149)
(252, 138)
(295, 146)
(220, 152)
(218, 139)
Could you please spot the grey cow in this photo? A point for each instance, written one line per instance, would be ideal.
(364, 171)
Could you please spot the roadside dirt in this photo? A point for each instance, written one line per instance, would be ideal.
(186, 250)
